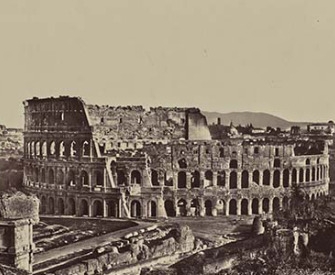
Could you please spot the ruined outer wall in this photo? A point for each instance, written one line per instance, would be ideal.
(134, 122)
(197, 126)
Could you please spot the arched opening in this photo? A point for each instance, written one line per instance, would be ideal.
(84, 178)
(255, 206)
(245, 179)
(294, 175)
(276, 163)
(136, 209)
(38, 149)
(52, 148)
(135, 177)
(61, 149)
(182, 163)
(232, 207)
(301, 175)
(43, 208)
(195, 207)
(154, 178)
(121, 177)
(86, 149)
(313, 197)
(51, 205)
(308, 161)
(44, 149)
(43, 175)
(221, 179)
(99, 179)
(152, 209)
(169, 208)
(72, 207)
(36, 174)
(73, 149)
(208, 178)
(244, 207)
(266, 177)
(266, 205)
(112, 209)
(97, 210)
(182, 207)
(286, 178)
(276, 204)
(60, 177)
(51, 176)
(276, 179)
(221, 152)
(61, 206)
(233, 164)
(285, 203)
(71, 178)
(255, 176)
(84, 208)
(233, 180)
(32, 148)
(307, 175)
(208, 207)
(195, 180)
(181, 179)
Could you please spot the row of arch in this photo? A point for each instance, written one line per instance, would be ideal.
(59, 149)
(233, 163)
(49, 175)
(80, 207)
(305, 175)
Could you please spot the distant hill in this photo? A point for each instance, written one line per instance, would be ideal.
(256, 119)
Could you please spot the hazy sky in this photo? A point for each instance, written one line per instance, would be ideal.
(265, 56)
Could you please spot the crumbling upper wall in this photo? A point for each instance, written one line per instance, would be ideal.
(197, 126)
(134, 122)
(55, 114)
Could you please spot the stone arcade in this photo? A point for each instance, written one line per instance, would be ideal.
(89, 160)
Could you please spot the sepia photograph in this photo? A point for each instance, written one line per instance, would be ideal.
(167, 137)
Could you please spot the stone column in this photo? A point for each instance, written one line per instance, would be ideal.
(214, 209)
(226, 208)
(161, 213)
(215, 179)
(271, 177)
(176, 207)
(260, 207)
(227, 173)
(239, 180)
(104, 208)
(250, 207)
(250, 177)
(260, 178)
(290, 178)
(238, 207)
(202, 208)
(281, 184)
(270, 205)
(188, 180)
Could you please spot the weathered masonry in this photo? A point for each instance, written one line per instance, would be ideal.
(89, 160)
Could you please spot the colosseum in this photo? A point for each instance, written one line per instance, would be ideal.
(89, 160)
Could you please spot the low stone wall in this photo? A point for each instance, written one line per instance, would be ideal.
(137, 248)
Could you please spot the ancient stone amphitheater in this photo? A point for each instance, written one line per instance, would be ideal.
(89, 160)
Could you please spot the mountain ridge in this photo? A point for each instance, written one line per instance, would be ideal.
(257, 119)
